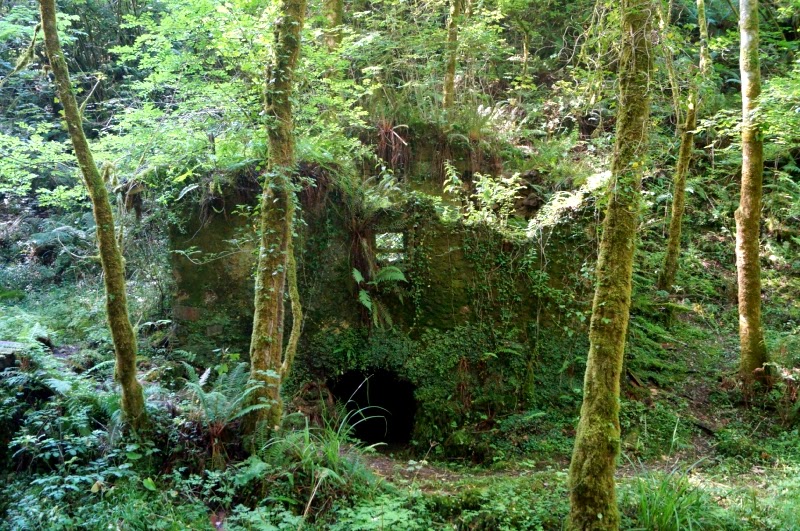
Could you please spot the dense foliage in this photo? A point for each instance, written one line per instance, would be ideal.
(451, 249)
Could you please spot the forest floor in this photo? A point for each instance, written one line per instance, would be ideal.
(725, 464)
(695, 445)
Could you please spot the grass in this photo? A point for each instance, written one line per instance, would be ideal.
(320, 478)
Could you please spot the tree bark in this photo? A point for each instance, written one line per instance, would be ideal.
(669, 270)
(334, 15)
(593, 504)
(267, 362)
(702, 23)
(452, 53)
(748, 215)
(110, 256)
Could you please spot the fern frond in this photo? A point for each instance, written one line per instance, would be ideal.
(100, 366)
(389, 274)
(365, 299)
(384, 314)
(204, 377)
(62, 387)
(191, 374)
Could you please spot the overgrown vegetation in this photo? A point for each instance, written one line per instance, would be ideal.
(447, 246)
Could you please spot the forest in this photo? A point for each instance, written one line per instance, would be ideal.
(400, 265)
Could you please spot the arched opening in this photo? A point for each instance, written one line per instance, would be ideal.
(382, 403)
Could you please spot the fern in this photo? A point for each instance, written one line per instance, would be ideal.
(389, 274)
(357, 276)
(379, 314)
(227, 401)
(452, 183)
(365, 299)
(59, 386)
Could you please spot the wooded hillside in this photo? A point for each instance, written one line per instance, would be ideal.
(455, 264)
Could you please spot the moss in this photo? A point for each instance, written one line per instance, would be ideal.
(474, 330)
(13, 295)
(443, 289)
(753, 353)
(593, 502)
(666, 277)
(466, 381)
(124, 339)
(334, 16)
(267, 362)
(213, 270)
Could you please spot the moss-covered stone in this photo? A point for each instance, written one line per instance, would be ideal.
(213, 263)
(468, 325)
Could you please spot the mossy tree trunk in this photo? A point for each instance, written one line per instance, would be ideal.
(334, 16)
(593, 502)
(748, 215)
(110, 256)
(705, 56)
(456, 8)
(666, 278)
(276, 256)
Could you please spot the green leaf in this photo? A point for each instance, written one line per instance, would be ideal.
(365, 299)
(389, 274)
(149, 484)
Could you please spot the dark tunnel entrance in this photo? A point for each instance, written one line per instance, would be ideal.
(386, 402)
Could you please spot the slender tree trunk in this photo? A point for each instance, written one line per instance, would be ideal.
(267, 363)
(666, 278)
(334, 15)
(748, 215)
(593, 504)
(456, 8)
(110, 257)
(663, 26)
(702, 23)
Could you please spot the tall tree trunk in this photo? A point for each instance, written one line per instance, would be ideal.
(334, 16)
(456, 7)
(593, 502)
(748, 215)
(267, 363)
(702, 23)
(110, 256)
(666, 278)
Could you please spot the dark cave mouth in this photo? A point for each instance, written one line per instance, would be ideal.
(380, 403)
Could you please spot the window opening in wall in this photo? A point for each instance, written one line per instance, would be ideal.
(390, 247)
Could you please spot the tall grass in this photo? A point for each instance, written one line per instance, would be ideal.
(670, 501)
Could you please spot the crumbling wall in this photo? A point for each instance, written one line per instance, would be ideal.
(480, 313)
(213, 259)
